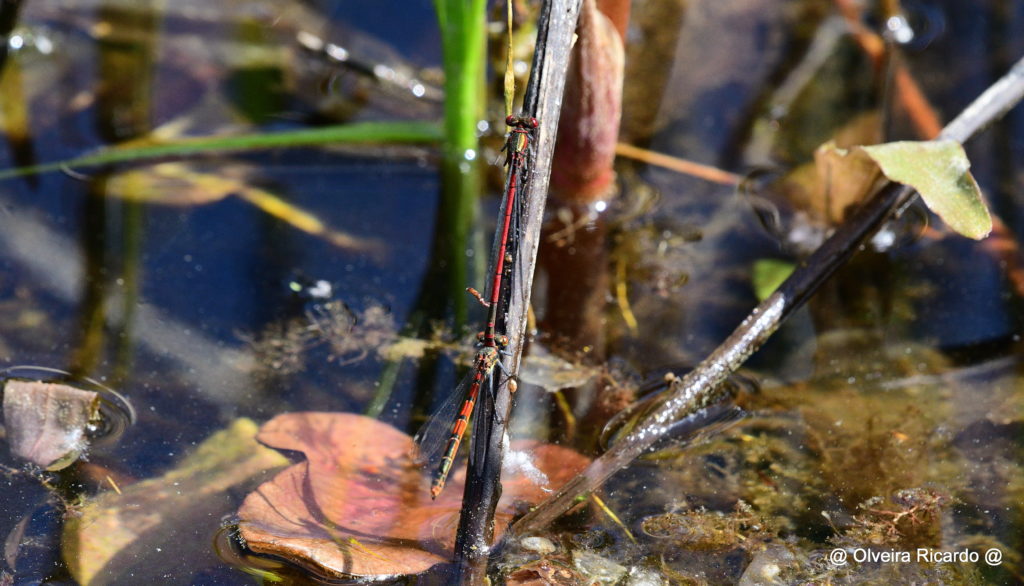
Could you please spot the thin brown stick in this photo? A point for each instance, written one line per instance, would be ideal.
(694, 169)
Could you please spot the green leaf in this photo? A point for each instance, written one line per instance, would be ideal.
(769, 273)
(939, 171)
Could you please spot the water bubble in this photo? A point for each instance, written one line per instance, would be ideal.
(918, 25)
(44, 45)
(309, 41)
(336, 52)
(899, 30)
(384, 72)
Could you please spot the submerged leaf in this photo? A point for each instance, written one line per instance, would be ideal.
(544, 369)
(176, 184)
(359, 505)
(190, 184)
(939, 171)
(142, 534)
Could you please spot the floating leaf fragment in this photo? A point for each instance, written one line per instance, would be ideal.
(48, 423)
(940, 172)
(360, 506)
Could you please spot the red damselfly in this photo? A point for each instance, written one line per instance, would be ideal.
(517, 149)
(432, 437)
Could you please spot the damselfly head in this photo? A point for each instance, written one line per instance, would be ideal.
(527, 122)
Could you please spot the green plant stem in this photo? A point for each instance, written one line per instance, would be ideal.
(462, 24)
(463, 32)
(149, 149)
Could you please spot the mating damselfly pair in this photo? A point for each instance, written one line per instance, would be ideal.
(452, 419)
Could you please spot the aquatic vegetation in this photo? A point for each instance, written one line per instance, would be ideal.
(227, 212)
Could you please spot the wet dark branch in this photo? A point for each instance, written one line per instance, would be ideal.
(700, 387)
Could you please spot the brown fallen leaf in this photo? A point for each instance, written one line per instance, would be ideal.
(843, 181)
(828, 186)
(359, 505)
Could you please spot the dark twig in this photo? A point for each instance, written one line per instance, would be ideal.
(701, 386)
(542, 101)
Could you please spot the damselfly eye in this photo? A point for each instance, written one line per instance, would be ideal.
(533, 122)
(511, 120)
